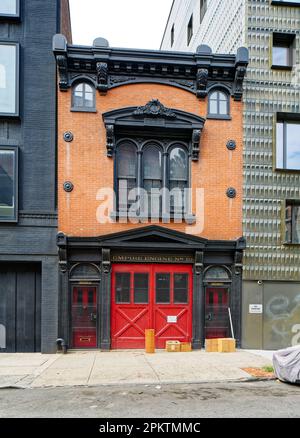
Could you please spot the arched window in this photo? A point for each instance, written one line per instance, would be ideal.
(83, 271)
(216, 273)
(83, 97)
(126, 174)
(218, 103)
(178, 178)
(152, 176)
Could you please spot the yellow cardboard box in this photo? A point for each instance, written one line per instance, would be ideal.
(226, 345)
(185, 346)
(173, 346)
(211, 345)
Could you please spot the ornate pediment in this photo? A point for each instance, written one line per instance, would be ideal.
(154, 117)
(155, 108)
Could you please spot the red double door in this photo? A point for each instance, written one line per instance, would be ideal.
(155, 297)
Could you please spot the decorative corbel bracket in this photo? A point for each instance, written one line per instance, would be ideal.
(199, 262)
(61, 241)
(238, 82)
(102, 76)
(110, 140)
(196, 138)
(202, 79)
(106, 261)
(62, 64)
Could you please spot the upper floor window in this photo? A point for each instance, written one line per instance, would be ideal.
(145, 173)
(8, 184)
(283, 50)
(218, 104)
(172, 35)
(9, 8)
(203, 8)
(288, 142)
(126, 174)
(190, 30)
(292, 222)
(286, 2)
(9, 79)
(83, 97)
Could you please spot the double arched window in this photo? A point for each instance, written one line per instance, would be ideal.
(218, 104)
(83, 97)
(152, 168)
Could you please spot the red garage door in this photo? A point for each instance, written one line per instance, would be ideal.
(151, 296)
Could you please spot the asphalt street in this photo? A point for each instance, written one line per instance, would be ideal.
(258, 399)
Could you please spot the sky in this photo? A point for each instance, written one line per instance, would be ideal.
(124, 23)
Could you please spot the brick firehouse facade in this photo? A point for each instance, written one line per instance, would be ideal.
(149, 194)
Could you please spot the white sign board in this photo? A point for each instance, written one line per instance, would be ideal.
(171, 318)
(255, 308)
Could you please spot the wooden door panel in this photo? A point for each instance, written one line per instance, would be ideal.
(84, 317)
(216, 312)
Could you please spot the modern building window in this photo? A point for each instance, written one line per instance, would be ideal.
(292, 222)
(218, 104)
(172, 35)
(286, 2)
(83, 97)
(190, 30)
(152, 168)
(9, 79)
(203, 8)
(283, 51)
(287, 143)
(10, 8)
(8, 184)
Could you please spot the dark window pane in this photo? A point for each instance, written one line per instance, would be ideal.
(152, 170)
(211, 298)
(127, 161)
(220, 298)
(8, 7)
(7, 184)
(181, 288)
(141, 282)
(91, 297)
(163, 288)
(8, 79)
(123, 287)
(216, 273)
(293, 145)
(152, 163)
(79, 296)
(297, 224)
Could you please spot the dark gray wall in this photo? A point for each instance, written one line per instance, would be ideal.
(32, 239)
(279, 324)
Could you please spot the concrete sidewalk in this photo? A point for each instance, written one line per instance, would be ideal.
(32, 370)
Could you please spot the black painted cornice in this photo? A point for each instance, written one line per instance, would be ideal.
(108, 67)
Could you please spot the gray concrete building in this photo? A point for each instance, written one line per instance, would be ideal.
(28, 216)
(271, 209)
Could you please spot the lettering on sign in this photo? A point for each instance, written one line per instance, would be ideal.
(255, 308)
(151, 259)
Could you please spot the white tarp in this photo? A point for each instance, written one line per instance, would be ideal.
(287, 364)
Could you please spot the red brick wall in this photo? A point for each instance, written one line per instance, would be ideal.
(84, 162)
